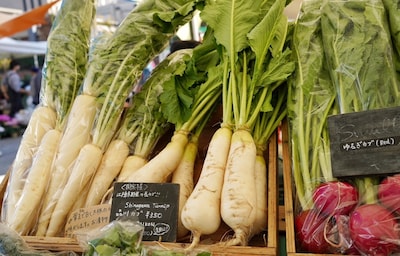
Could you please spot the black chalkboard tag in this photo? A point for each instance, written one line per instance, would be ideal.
(155, 204)
(365, 143)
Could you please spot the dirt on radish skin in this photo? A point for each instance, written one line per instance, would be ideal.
(374, 230)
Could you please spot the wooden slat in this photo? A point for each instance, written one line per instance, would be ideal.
(69, 244)
(218, 250)
(273, 192)
(288, 192)
(56, 244)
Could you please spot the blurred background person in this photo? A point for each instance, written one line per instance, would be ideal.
(35, 84)
(12, 88)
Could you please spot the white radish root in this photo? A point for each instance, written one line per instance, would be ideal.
(80, 201)
(37, 181)
(164, 163)
(183, 175)
(109, 168)
(201, 213)
(132, 164)
(74, 137)
(260, 175)
(84, 168)
(238, 199)
(42, 120)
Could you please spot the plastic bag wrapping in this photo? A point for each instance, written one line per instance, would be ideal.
(393, 11)
(41, 121)
(13, 244)
(346, 219)
(120, 237)
(337, 71)
(359, 54)
(63, 71)
(124, 237)
(311, 99)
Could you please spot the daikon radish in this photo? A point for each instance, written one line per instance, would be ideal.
(183, 175)
(251, 41)
(110, 166)
(260, 177)
(201, 212)
(142, 127)
(64, 67)
(267, 123)
(36, 184)
(80, 202)
(82, 114)
(88, 160)
(161, 166)
(238, 198)
(164, 163)
(115, 66)
(76, 133)
(42, 120)
(132, 164)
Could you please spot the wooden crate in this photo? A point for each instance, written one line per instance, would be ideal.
(290, 198)
(265, 244)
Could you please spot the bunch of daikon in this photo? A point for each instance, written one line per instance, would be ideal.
(187, 102)
(256, 61)
(143, 125)
(64, 68)
(114, 68)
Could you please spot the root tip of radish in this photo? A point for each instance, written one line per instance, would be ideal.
(195, 242)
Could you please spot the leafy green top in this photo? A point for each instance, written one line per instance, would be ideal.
(66, 58)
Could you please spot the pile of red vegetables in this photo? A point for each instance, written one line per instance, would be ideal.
(346, 61)
(341, 222)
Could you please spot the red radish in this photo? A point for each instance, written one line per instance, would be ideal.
(374, 230)
(389, 192)
(335, 197)
(310, 225)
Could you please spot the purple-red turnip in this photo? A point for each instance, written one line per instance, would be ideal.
(335, 197)
(389, 192)
(374, 230)
(309, 226)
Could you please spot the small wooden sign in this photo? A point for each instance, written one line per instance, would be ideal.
(365, 143)
(84, 219)
(155, 204)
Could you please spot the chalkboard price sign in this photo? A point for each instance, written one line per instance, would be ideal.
(154, 204)
(365, 143)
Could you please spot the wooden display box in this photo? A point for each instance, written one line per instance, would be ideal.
(290, 198)
(264, 244)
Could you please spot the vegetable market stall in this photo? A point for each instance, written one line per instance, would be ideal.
(264, 244)
(87, 137)
(337, 74)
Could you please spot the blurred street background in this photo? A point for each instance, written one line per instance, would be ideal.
(8, 150)
(27, 44)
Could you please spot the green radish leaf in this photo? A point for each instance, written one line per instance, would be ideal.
(177, 96)
(261, 37)
(231, 21)
(279, 69)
